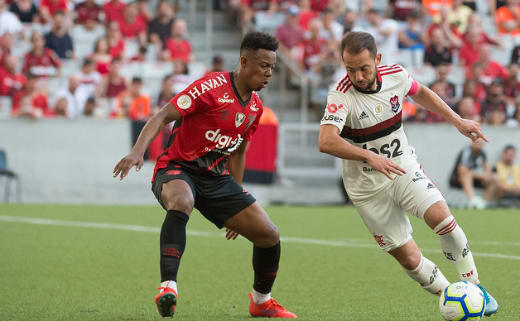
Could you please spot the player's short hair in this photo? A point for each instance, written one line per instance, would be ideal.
(355, 42)
(256, 40)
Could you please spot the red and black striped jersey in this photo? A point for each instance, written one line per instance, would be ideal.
(371, 120)
(215, 121)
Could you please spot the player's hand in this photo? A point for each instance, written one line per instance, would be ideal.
(471, 129)
(126, 163)
(384, 165)
(231, 235)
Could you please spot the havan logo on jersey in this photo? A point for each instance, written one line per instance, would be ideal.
(394, 101)
(207, 85)
(225, 144)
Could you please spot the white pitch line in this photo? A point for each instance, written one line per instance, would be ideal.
(149, 229)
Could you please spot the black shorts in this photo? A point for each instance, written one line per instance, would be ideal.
(477, 183)
(217, 197)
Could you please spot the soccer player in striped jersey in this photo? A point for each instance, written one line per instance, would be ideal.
(363, 126)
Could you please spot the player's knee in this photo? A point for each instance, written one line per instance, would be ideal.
(180, 203)
(410, 261)
(269, 237)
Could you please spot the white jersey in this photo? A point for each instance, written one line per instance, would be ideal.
(371, 121)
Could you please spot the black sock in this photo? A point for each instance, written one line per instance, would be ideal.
(173, 241)
(265, 264)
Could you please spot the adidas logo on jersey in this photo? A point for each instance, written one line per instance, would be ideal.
(430, 186)
(363, 115)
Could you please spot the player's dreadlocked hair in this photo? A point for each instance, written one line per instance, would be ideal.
(355, 42)
(255, 40)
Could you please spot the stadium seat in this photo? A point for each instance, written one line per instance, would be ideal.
(156, 69)
(196, 69)
(133, 69)
(9, 176)
(268, 23)
(425, 75)
(131, 49)
(80, 34)
(5, 107)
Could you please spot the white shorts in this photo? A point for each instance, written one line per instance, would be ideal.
(384, 213)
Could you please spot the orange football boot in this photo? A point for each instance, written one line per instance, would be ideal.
(166, 301)
(269, 309)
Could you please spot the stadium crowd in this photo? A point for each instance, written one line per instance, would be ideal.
(451, 44)
(42, 74)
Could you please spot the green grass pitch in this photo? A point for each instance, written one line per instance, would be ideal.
(60, 269)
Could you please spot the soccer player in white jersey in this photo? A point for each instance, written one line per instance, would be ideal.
(362, 126)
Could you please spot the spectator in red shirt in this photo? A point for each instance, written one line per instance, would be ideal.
(400, 9)
(132, 26)
(468, 54)
(49, 7)
(41, 61)
(31, 101)
(88, 14)
(290, 33)
(10, 81)
(313, 47)
(512, 85)
(491, 69)
(508, 18)
(143, 11)
(466, 109)
(449, 31)
(101, 56)
(116, 44)
(178, 48)
(113, 10)
(6, 45)
(113, 83)
(306, 14)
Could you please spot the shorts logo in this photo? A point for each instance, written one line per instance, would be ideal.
(184, 102)
(239, 119)
(173, 172)
(394, 101)
(363, 115)
(430, 186)
(225, 99)
(418, 177)
(379, 240)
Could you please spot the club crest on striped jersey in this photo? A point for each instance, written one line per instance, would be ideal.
(378, 109)
(394, 101)
(239, 119)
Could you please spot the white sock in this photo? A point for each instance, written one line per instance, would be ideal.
(260, 298)
(454, 244)
(429, 276)
(169, 284)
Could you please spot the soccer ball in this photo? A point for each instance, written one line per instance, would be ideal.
(462, 301)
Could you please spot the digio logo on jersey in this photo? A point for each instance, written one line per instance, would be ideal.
(223, 141)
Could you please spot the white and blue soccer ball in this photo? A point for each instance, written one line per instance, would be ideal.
(462, 301)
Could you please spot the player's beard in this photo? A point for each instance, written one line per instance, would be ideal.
(368, 88)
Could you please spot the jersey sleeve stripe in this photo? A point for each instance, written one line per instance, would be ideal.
(363, 135)
(347, 84)
(390, 72)
(346, 88)
(342, 82)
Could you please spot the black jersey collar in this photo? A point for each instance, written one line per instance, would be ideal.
(242, 102)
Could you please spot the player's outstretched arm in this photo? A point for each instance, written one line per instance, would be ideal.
(331, 143)
(152, 127)
(432, 102)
